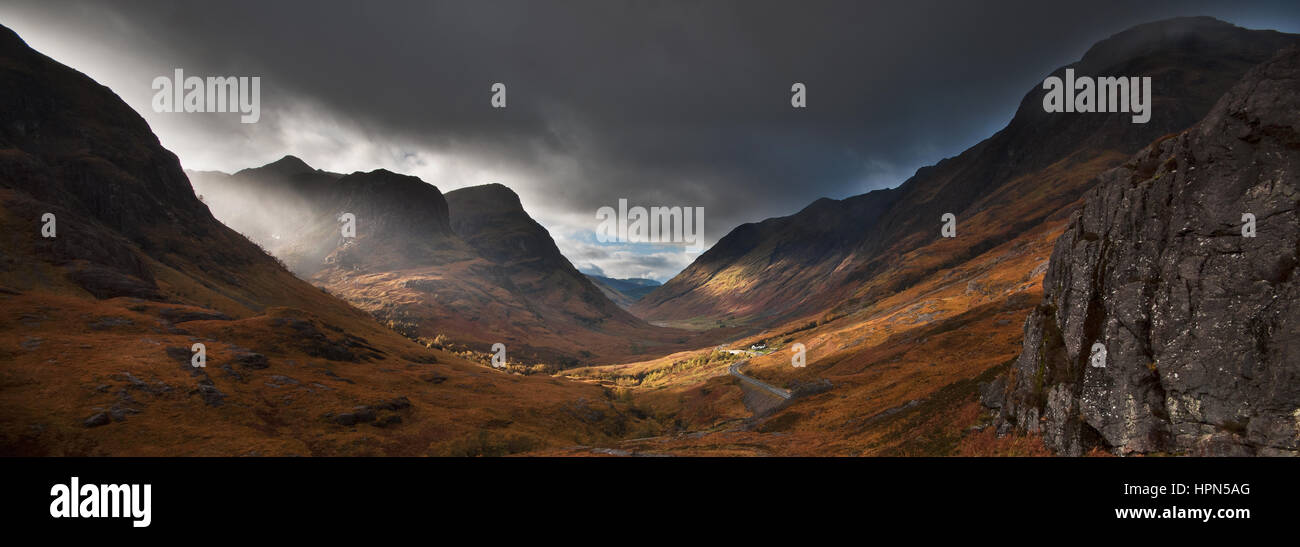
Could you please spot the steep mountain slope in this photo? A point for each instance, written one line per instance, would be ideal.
(492, 221)
(623, 292)
(906, 357)
(848, 253)
(293, 211)
(466, 270)
(98, 323)
(1198, 326)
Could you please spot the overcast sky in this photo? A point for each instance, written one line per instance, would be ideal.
(668, 103)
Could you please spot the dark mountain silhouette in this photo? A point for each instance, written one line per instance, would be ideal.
(848, 253)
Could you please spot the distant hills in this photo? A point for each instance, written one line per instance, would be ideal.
(623, 292)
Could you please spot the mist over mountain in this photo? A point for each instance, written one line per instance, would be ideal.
(470, 267)
(357, 313)
(106, 306)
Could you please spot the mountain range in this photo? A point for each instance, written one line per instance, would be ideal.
(918, 333)
(465, 269)
(852, 327)
(105, 310)
(624, 292)
(845, 254)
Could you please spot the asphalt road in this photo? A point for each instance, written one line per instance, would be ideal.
(769, 388)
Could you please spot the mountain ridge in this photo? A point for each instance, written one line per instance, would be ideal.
(102, 319)
(467, 269)
(759, 270)
(623, 292)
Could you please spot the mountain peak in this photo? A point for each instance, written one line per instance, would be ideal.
(494, 189)
(494, 197)
(385, 175)
(287, 166)
(290, 161)
(1176, 196)
(846, 253)
(1177, 33)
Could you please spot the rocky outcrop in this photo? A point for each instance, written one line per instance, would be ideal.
(1200, 325)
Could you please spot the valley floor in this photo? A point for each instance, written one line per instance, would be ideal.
(905, 374)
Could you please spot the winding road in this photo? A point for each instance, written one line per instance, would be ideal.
(784, 394)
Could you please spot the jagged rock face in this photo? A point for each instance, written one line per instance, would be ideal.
(1201, 326)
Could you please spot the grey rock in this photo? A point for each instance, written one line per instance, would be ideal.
(395, 404)
(331, 374)
(98, 419)
(211, 395)
(1201, 325)
(105, 323)
(991, 393)
(812, 387)
(104, 282)
(119, 413)
(250, 360)
(185, 357)
(230, 372)
(391, 419)
(364, 414)
(178, 315)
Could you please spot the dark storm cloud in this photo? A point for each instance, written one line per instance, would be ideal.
(663, 103)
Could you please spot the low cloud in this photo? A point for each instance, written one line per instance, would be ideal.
(662, 104)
